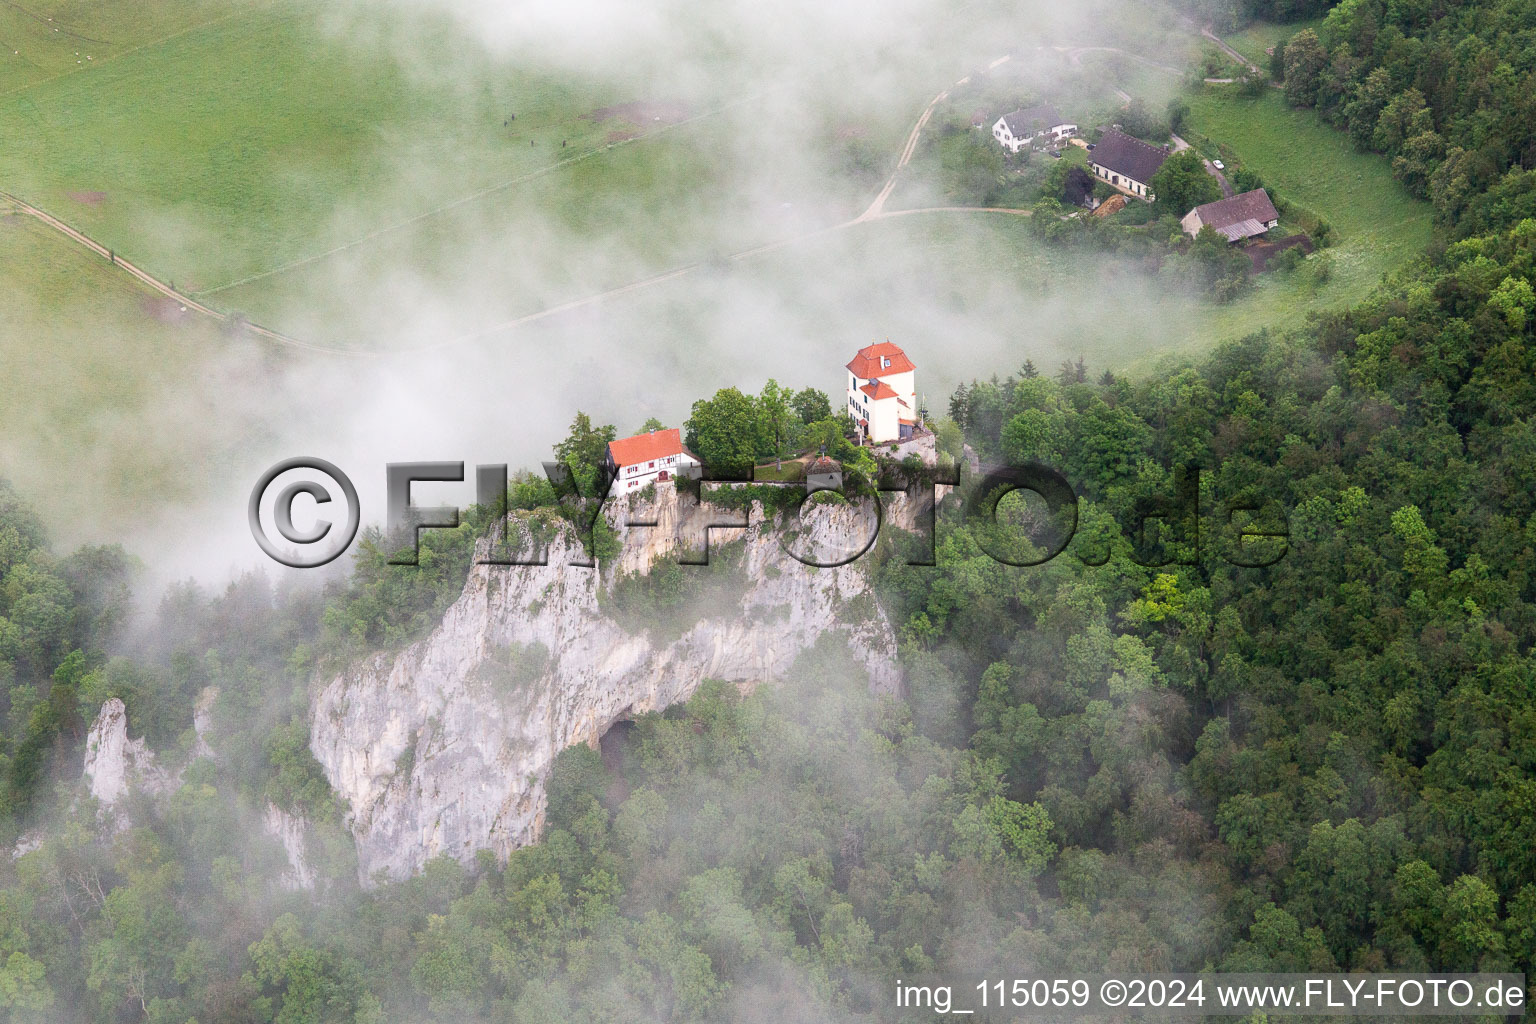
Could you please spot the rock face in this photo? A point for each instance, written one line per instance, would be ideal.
(443, 748)
(114, 763)
(293, 832)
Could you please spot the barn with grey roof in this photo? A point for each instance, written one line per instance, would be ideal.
(1242, 216)
(1127, 163)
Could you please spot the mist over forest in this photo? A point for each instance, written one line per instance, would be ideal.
(1257, 698)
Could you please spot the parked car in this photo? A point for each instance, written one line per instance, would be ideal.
(1218, 165)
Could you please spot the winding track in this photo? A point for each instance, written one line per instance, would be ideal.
(875, 211)
(1221, 43)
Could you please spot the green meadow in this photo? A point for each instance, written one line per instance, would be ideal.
(45, 39)
(234, 146)
(109, 425)
(1255, 39)
(266, 161)
(1378, 226)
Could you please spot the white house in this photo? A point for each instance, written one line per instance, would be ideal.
(1027, 124)
(882, 392)
(1127, 163)
(1241, 216)
(658, 456)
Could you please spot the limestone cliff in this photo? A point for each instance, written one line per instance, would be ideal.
(114, 764)
(443, 748)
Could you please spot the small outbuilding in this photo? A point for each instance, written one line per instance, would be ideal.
(823, 474)
(1243, 216)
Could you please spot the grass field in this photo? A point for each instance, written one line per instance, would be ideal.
(103, 417)
(1252, 41)
(45, 39)
(266, 164)
(1378, 225)
(224, 150)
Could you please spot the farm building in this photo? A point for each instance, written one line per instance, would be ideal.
(1022, 127)
(658, 456)
(882, 392)
(1236, 218)
(1127, 163)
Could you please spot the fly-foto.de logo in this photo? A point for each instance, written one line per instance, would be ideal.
(1018, 515)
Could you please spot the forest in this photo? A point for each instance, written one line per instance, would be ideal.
(1443, 89)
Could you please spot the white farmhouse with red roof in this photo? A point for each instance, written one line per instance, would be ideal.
(882, 392)
(649, 458)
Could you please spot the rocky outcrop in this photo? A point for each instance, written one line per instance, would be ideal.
(202, 722)
(443, 748)
(293, 832)
(114, 763)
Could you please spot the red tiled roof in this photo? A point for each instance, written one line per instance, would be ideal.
(903, 419)
(866, 365)
(658, 444)
(880, 389)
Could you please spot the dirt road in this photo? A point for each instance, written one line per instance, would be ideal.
(874, 209)
(1221, 43)
(186, 301)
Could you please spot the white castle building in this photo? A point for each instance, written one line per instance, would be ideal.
(882, 392)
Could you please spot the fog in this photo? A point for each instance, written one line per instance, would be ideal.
(465, 321)
(450, 313)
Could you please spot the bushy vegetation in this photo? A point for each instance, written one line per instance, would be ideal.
(1442, 91)
(732, 432)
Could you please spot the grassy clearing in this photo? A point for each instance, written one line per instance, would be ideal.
(267, 164)
(1378, 226)
(224, 150)
(102, 419)
(1252, 41)
(46, 39)
(792, 470)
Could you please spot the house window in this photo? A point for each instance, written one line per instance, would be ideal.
(651, 465)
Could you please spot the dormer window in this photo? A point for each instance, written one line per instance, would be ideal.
(885, 362)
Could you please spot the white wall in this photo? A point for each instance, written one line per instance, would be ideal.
(634, 478)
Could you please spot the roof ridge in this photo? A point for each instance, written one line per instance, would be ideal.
(1139, 142)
